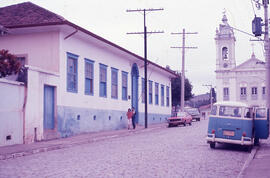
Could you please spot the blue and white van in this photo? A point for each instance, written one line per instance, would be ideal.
(237, 123)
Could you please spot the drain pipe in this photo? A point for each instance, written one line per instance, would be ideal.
(24, 106)
(73, 33)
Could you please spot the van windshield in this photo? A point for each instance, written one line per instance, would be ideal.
(231, 111)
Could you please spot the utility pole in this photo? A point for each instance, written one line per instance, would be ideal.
(211, 95)
(183, 47)
(266, 48)
(256, 29)
(145, 53)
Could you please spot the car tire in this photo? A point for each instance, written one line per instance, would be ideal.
(212, 145)
(169, 125)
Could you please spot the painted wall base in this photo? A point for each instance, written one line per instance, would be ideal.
(73, 121)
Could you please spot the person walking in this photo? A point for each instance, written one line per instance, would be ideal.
(133, 118)
(129, 117)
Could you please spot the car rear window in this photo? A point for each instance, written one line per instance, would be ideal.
(193, 111)
(230, 111)
(181, 114)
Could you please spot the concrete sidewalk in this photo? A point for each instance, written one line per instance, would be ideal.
(259, 164)
(14, 151)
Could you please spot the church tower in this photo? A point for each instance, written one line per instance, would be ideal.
(225, 46)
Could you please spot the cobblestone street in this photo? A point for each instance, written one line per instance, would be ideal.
(166, 152)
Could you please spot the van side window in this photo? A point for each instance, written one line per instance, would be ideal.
(214, 110)
(230, 111)
(247, 113)
(260, 113)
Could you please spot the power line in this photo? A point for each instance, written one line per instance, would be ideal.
(145, 52)
(253, 7)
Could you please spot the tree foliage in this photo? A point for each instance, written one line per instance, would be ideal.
(214, 95)
(8, 64)
(176, 90)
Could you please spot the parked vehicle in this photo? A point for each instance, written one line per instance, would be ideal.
(180, 118)
(237, 123)
(194, 112)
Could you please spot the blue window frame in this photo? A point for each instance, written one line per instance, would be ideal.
(167, 96)
(114, 87)
(102, 80)
(124, 85)
(89, 77)
(150, 92)
(72, 72)
(162, 94)
(143, 93)
(156, 93)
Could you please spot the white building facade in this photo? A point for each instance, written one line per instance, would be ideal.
(244, 82)
(78, 82)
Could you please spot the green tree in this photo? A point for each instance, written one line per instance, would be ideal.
(8, 64)
(176, 90)
(214, 95)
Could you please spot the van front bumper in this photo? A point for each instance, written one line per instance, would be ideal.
(244, 140)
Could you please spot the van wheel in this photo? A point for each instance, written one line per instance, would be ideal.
(212, 145)
(256, 141)
(249, 148)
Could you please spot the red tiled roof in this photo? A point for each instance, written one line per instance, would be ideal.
(27, 14)
(30, 15)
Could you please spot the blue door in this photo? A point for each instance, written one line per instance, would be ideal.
(134, 89)
(261, 123)
(48, 121)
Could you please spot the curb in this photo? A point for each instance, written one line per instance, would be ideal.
(71, 144)
(248, 161)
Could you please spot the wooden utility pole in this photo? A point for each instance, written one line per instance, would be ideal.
(267, 51)
(211, 95)
(145, 53)
(183, 47)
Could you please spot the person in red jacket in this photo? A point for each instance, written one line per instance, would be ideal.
(129, 117)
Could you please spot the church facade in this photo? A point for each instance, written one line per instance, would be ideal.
(244, 82)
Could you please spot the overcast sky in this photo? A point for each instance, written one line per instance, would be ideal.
(109, 19)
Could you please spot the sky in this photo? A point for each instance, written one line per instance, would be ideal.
(110, 20)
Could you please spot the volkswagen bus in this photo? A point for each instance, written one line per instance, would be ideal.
(237, 123)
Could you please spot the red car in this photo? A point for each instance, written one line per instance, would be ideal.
(180, 118)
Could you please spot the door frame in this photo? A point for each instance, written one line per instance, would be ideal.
(54, 107)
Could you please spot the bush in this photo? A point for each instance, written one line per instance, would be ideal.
(8, 64)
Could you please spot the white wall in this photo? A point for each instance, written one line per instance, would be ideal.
(37, 78)
(42, 58)
(100, 52)
(11, 112)
(40, 49)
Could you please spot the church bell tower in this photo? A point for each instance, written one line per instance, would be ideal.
(225, 46)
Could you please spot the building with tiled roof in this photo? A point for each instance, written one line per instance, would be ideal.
(77, 81)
